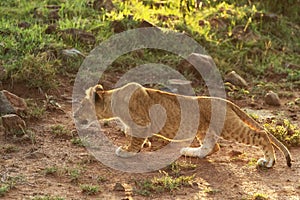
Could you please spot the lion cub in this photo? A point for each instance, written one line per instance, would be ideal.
(146, 111)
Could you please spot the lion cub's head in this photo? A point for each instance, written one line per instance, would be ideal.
(91, 105)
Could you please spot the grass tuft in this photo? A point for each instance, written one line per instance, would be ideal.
(284, 131)
(165, 183)
(90, 189)
(259, 196)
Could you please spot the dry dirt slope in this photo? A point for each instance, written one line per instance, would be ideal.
(228, 174)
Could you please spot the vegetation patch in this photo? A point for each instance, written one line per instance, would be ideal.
(259, 196)
(60, 130)
(74, 175)
(164, 183)
(34, 110)
(47, 198)
(4, 188)
(9, 183)
(80, 141)
(211, 191)
(90, 189)
(51, 170)
(285, 131)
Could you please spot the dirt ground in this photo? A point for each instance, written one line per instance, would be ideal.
(228, 174)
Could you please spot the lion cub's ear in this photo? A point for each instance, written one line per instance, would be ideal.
(98, 92)
(98, 88)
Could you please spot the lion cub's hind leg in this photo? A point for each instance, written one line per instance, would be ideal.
(267, 147)
(259, 138)
(208, 147)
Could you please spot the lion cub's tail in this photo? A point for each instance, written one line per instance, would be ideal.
(256, 126)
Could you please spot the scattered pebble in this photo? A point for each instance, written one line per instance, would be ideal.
(235, 79)
(271, 98)
(297, 101)
(119, 187)
(13, 125)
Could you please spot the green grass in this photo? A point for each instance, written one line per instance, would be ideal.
(176, 167)
(9, 183)
(34, 110)
(4, 189)
(51, 170)
(90, 189)
(260, 196)
(80, 141)
(59, 130)
(47, 198)
(164, 183)
(252, 162)
(74, 175)
(239, 35)
(285, 131)
(211, 191)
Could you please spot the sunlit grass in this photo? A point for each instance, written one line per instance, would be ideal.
(232, 33)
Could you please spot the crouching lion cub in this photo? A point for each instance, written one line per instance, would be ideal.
(137, 102)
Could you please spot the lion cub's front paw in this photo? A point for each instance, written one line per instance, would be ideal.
(188, 151)
(262, 162)
(123, 153)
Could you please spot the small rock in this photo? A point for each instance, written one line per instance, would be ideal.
(24, 25)
(118, 26)
(5, 106)
(297, 101)
(266, 17)
(181, 86)
(53, 7)
(119, 187)
(271, 98)
(13, 125)
(235, 79)
(203, 68)
(217, 23)
(146, 24)
(230, 87)
(18, 103)
(201, 23)
(197, 64)
(103, 4)
(53, 15)
(292, 66)
(72, 52)
(35, 155)
(51, 29)
(235, 153)
(80, 35)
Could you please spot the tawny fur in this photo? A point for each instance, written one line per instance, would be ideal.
(138, 101)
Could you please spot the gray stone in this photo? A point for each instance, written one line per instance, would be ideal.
(119, 187)
(203, 68)
(271, 98)
(200, 65)
(103, 4)
(181, 86)
(297, 101)
(235, 79)
(13, 125)
(18, 103)
(5, 106)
